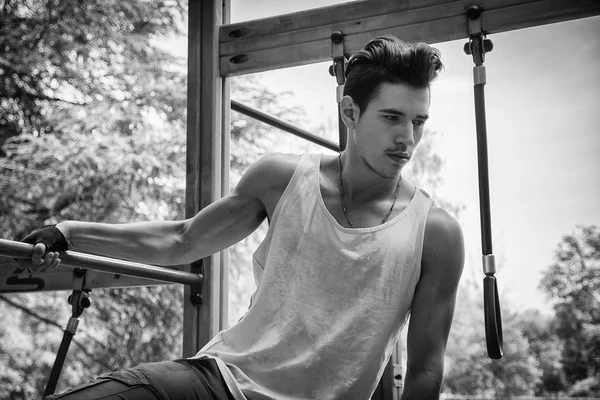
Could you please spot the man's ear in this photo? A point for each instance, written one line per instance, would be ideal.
(349, 112)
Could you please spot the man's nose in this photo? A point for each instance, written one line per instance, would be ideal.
(405, 134)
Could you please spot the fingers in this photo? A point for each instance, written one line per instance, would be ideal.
(43, 262)
(38, 253)
(51, 261)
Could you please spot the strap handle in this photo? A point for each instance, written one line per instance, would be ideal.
(493, 319)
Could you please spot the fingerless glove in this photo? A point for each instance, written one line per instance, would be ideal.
(51, 236)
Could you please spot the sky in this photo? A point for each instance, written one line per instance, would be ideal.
(542, 106)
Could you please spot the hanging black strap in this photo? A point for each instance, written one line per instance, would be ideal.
(477, 46)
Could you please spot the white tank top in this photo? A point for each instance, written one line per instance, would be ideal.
(330, 301)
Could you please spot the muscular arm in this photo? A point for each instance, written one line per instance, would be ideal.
(433, 306)
(214, 228)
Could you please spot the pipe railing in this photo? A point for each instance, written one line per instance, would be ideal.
(284, 126)
(73, 259)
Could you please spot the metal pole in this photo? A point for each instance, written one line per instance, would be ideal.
(79, 301)
(279, 124)
(73, 259)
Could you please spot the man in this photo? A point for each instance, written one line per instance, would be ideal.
(352, 250)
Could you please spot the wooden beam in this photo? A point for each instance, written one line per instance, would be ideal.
(203, 163)
(225, 173)
(304, 37)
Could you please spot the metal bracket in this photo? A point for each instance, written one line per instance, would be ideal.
(339, 63)
(489, 264)
(478, 44)
(398, 378)
(196, 297)
(79, 299)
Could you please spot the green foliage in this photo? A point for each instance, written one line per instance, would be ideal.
(543, 355)
(61, 53)
(546, 347)
(97, 177)
(589, 387)
(92, 122)
(573, 282)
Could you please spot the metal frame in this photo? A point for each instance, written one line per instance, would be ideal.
(73, 259)
(282, 125)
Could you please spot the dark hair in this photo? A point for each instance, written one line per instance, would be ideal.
(389, 59)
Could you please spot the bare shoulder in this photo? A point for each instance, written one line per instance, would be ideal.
(268, 177)
(272, 171)
(443, 247)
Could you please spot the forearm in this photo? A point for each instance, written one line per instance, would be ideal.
(153, 242)
(424, 385)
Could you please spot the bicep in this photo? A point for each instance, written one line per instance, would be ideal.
(220, 225)
(435, 296)
(234, 217)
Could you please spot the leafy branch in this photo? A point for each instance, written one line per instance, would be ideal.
(54, 324)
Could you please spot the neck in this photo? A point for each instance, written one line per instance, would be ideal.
(362, 183)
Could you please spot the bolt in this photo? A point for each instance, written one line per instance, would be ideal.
(467, 48)
(337, 37)
(488, 45)
(474, 12)
(85, 302)
(196, 299)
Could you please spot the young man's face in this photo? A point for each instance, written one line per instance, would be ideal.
(391, 126)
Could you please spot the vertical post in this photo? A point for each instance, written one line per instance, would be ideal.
(391, 383)
(225, 166)
(204, 160)
(397, 370)
(384, 390)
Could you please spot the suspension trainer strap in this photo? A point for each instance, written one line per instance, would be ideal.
(338, 70)
(477, 46)
(79, 301)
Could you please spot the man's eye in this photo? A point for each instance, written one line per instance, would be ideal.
(419, 123)
(392, 118)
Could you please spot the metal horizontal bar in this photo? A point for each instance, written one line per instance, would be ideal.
(73, 259)
(284, 126)
(305, 37)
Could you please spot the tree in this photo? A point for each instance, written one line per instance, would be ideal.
(60, 54)
(546, 347)
(91, 123)
(573, 282)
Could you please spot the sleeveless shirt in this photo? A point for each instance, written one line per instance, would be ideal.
(330, 301)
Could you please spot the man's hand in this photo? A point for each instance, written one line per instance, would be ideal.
(47, 241)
